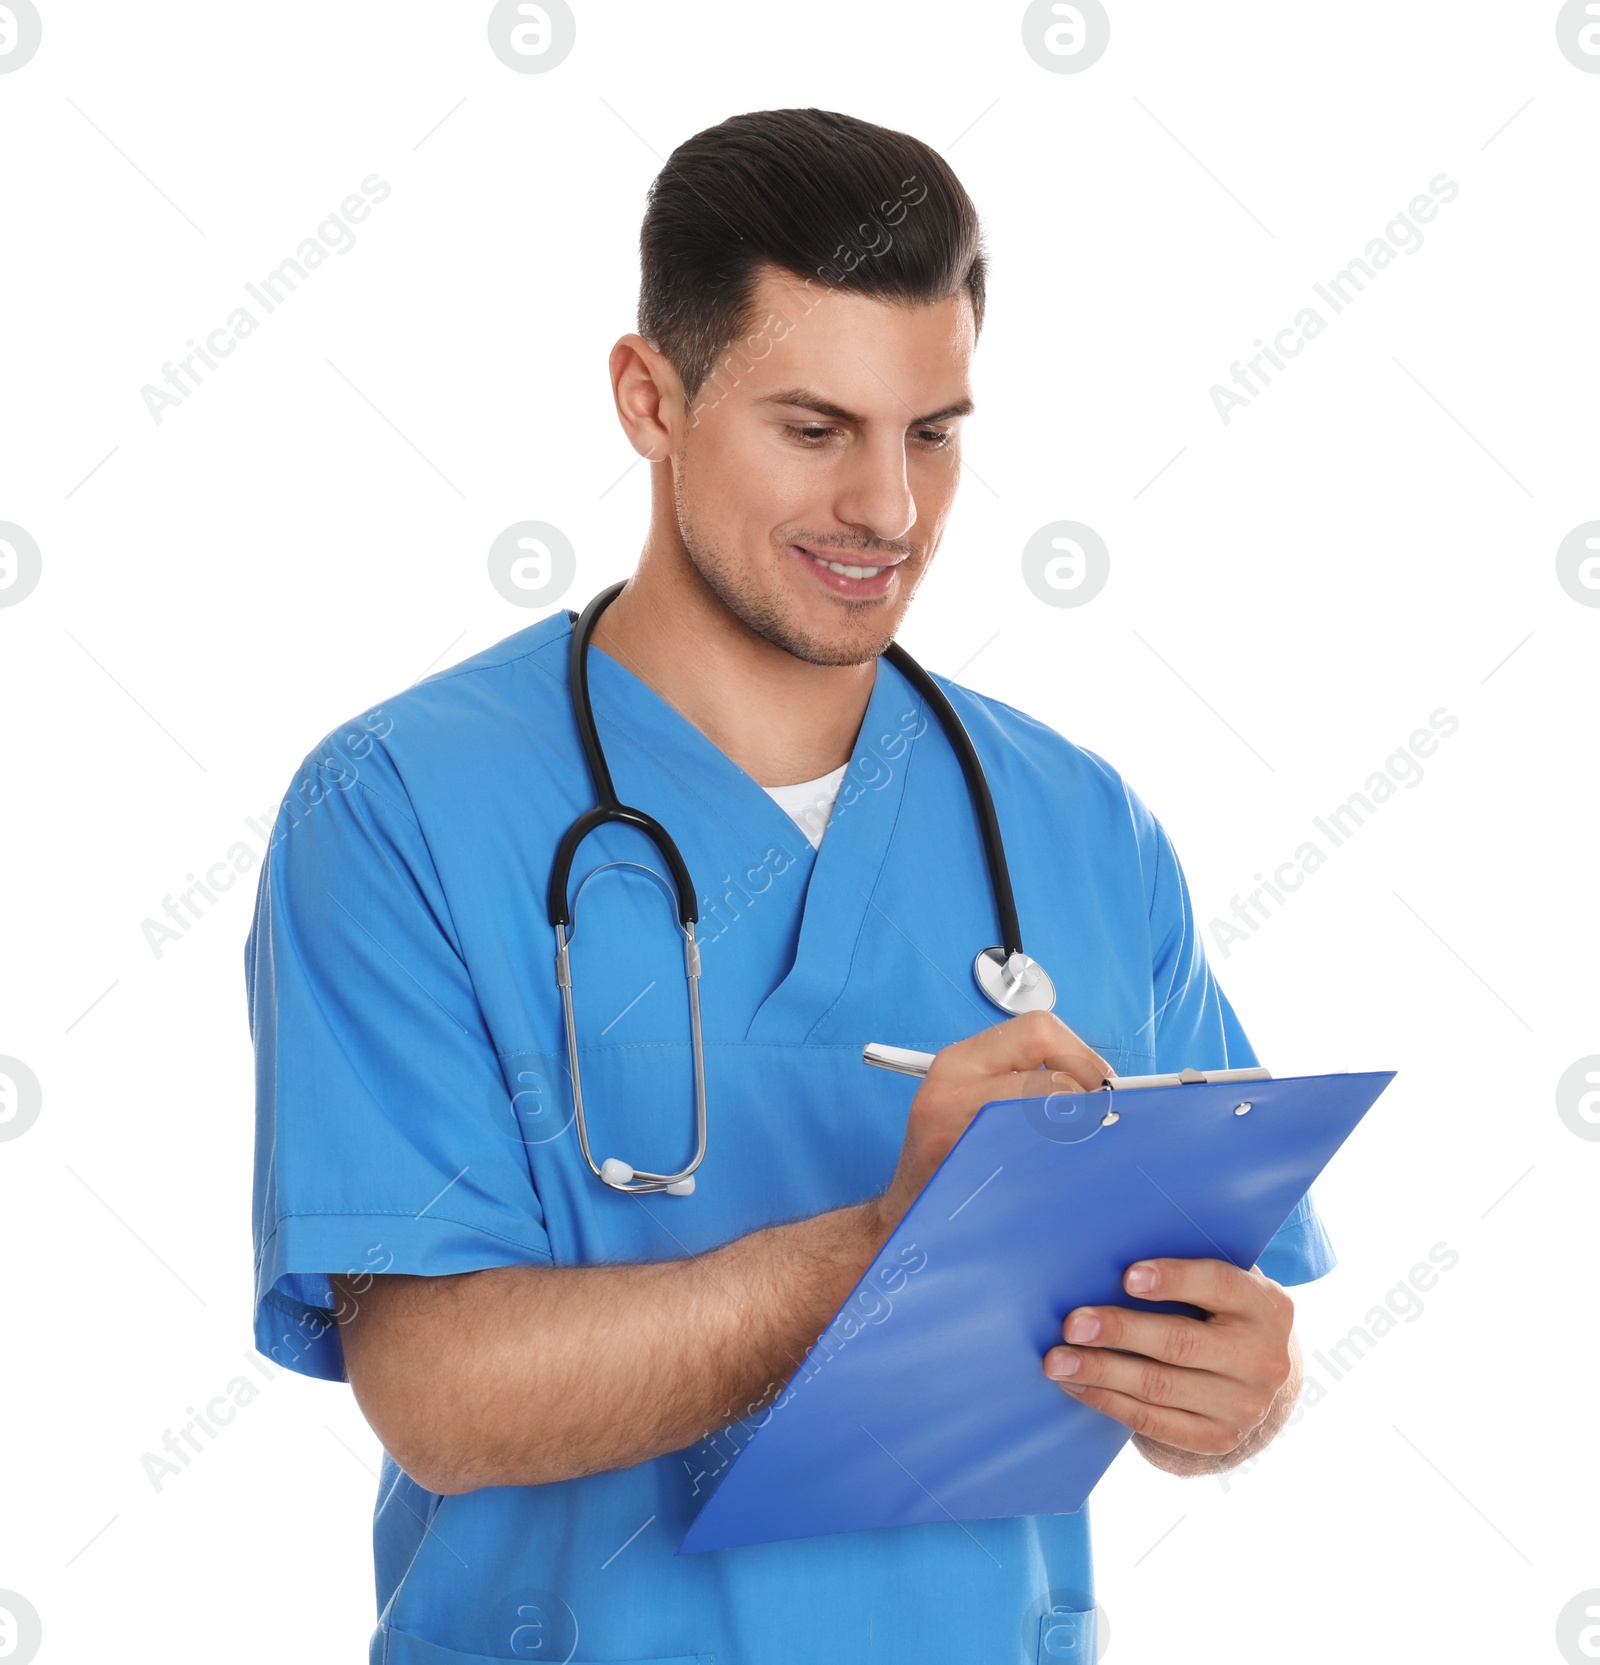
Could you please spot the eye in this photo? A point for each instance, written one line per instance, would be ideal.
(813, 435)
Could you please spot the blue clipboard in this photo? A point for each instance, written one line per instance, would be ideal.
(925, 1399)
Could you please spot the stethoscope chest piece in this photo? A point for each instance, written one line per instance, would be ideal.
(1015, 983)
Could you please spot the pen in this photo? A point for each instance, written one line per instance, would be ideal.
(903, 1061)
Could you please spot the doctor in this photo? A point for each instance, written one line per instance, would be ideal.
(560, 1361)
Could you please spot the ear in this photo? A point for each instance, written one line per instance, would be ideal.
(649, 396)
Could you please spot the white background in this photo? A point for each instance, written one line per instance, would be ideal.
(1373, 538)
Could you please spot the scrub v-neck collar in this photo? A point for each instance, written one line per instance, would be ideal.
(647, 738)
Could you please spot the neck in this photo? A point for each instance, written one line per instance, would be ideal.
(780, 719)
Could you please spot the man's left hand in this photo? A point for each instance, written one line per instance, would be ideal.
(1195, 1385)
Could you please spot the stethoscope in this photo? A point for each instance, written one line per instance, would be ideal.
(1007, 976)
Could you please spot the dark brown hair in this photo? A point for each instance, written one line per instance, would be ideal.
(848, 204)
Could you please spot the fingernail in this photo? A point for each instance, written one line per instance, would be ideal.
(1141, 1278)
(1062, 1364)
(1082, 1326)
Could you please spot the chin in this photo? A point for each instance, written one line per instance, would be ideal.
(813, 628)
(838, 632)
(850, 645)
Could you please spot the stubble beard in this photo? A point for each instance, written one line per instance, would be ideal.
(765, 614)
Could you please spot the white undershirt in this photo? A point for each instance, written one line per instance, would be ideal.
(809, 803)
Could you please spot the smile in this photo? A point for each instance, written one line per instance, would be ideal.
(848, 571)
(859, 580)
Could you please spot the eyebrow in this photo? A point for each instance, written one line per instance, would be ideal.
(804, 399)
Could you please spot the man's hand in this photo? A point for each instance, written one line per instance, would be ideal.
(1193, 1390)
(1024, 1057)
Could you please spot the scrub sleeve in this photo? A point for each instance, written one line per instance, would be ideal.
(1193, 1019)
(380, 1144)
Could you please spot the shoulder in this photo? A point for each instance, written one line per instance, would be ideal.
(375, 790)
(463, 715)
(1030, 755)
(519, 679)
(1082, 800)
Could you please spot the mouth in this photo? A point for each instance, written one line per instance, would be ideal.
(858, 577)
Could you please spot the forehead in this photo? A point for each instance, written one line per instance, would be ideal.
(869, 354)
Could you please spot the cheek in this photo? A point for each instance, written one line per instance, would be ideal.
(933, 499)
(933, 493)
(741, 481)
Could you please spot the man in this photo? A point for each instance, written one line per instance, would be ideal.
(559, 1369)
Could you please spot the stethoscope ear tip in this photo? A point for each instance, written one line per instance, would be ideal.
(615, 1172)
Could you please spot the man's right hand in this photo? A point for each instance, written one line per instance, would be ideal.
(1021, 1058)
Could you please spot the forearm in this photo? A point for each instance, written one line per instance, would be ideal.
(522, 1375)
(1174, 1460)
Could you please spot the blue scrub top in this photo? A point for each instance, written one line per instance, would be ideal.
(414, 1111)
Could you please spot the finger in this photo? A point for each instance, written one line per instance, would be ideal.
(1193, 1343)
(1043, 1083)
(1169, 1387)
(1031, 1041)
(1183, 1429)
(1215, 1286)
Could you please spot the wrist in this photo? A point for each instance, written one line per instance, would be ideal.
(874, 1225)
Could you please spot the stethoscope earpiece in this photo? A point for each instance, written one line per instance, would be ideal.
(617, 1174)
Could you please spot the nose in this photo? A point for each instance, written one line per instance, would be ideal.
(873, 491)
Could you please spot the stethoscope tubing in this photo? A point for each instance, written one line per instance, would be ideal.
(994, 969)
(994, 849)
